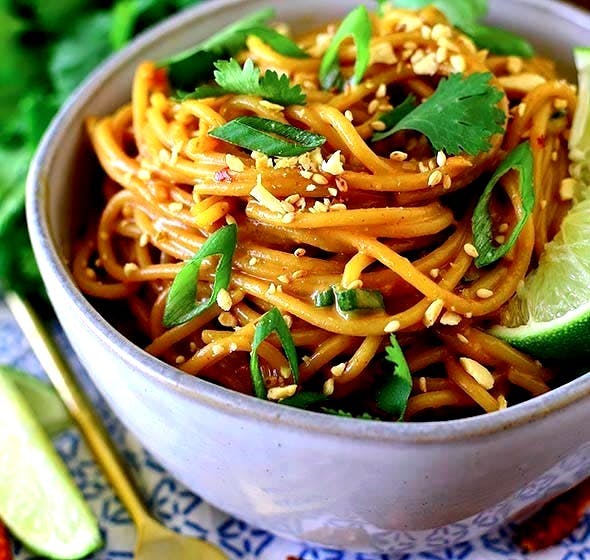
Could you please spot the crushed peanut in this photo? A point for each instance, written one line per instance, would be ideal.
(480, 373)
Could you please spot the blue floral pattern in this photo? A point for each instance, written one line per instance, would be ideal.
(185, 512)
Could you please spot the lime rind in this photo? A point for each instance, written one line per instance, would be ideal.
(42, 399)
(39, 501)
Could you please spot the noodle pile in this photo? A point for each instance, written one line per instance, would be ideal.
(393, 216)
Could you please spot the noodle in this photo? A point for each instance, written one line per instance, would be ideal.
(391, 216)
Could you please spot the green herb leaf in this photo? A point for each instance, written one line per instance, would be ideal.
(324, 298)
(358, 26)
(393, 117)
(182, 305)
(393, 394)
(232, 78)
(196, 64)
(270, 322)
(461, 116)
(305, 399)
(346, 414)
(202, 92)
(276, 41)
(498, 41)
(458, 12)
(267, 136)
(520, 159)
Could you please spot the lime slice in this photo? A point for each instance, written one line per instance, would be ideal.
(42, 400)
(39, 502)
(550, 315)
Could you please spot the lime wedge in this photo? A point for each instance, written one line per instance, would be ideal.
(42, 400)
(550, 315)
(39, 502)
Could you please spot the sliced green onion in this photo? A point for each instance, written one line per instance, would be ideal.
(270, 322)
(394, 392)
(324, 299)
(276, 41)
(267, 136)
(499, 41)
(182, 305)
(358, 26)
(520, 159)
(358, 299)
(393, 117)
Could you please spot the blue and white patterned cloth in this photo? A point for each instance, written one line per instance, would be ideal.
(181, 510)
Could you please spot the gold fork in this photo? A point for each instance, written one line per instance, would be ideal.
(154, 541)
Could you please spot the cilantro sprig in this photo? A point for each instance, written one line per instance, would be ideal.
(461, 116)
(182, 305)
(393, 117)
(394, 391)
(246, 80)
(520, 159)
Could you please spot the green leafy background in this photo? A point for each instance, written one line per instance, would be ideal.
(48, 48)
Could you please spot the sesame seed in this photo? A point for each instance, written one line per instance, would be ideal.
(422, 384)
(398, 156)
(252, 261)
(567, 189)
(434, 272)
(328, 387)
(299, 252)
(280, 393)
(224, 300)
(503, 228)
(306, 174)
(90, 273)
(447, 181)
(319, 179)
(283, 279)
(440, 31)
(378, 126)
(130, 268)
(310, 188)
(484, 293)
(333, 191)
(144, 240)
(348, 114)
(285, 372)
(175, 207)
(338, 370)
(227, 320)
(554, 155)
(502, 402)
(373, 106)
(271, 289)
(293, 199)
(193, 347)
(233, 347)
(470, 249)
(431, 165)
(234, 163)
(288, 218)
(500, 239)
(338, 207)
(392, 326)
(180, 360)
(462, 338)
(432, 312)
(381, 91)
(450, 318)
(435, 178)
(479, 372)
(441, 158)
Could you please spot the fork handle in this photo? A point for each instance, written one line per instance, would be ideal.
(78, 404)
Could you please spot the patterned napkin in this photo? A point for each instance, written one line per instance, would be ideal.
(183, 511)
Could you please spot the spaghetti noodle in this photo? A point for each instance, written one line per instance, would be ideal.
(393, 216)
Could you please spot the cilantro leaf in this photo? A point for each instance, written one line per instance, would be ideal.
(458, 12)
(232, 78)
(393, 394)
(393, 117)
(461, 116)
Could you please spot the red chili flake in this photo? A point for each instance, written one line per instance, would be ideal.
(542, 141)
(223, 175)
(5, 553)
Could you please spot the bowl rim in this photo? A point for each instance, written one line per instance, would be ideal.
(206, 393)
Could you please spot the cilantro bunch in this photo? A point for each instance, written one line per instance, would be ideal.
(48, 48)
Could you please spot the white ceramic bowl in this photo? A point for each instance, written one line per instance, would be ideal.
(335, 481)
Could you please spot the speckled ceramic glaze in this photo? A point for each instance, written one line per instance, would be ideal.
(339, 482)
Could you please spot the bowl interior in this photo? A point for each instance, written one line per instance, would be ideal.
(65, 174)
